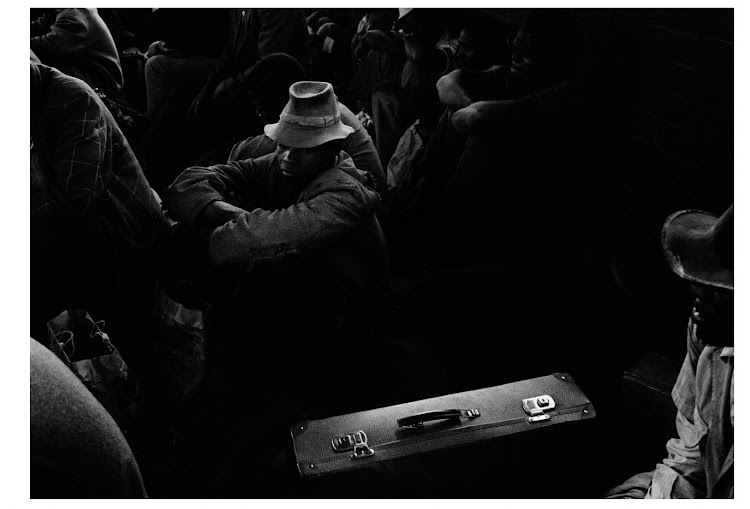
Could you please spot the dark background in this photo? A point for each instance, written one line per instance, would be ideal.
(662, 80)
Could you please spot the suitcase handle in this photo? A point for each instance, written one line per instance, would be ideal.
(418, 420)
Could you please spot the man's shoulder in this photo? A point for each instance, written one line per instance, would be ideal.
(344, 174)
(251, 148)
(73, 96)
(346, 168)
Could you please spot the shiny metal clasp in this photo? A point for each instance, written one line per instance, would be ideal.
(355, 442)
(347, 441)
(537, 406)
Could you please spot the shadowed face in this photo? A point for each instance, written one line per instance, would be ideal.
(521, 60)
(713, 312)
(296, 162)
(468, 54)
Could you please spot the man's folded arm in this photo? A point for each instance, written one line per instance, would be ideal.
(314, 223)
(197, 187)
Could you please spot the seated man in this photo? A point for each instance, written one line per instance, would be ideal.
(414, 177)
(308, 138)
(78, 43)
(396, 106)
(303, 199)
(700, 463)
(268, 83)
(97, 228)
(503, 129)
(294, 235)
(544, 55)
(497, 98)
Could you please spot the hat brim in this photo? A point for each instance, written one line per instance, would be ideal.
(687, 241)
(305, 137)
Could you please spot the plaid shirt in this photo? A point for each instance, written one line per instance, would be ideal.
(85, 163)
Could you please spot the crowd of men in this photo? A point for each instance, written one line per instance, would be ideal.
(319, 183)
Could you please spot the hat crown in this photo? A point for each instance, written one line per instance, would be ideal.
(314, 99)
(310, 118)
(699, 247)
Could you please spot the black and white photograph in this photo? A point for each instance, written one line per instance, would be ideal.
(446, 252)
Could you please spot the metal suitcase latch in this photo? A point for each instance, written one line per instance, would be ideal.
(355, 442)
(537, 406)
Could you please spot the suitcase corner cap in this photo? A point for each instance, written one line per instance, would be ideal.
(299, 428)
(565, 377)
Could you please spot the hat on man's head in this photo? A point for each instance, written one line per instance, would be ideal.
(699, 247)
(310, 118)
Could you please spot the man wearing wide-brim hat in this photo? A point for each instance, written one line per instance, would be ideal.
(699, 248)
(305, 200)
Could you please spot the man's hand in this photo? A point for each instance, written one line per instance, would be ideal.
(216, 213)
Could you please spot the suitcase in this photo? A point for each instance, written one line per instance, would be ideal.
(445, 445)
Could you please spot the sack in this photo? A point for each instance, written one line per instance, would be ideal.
(400, 167)
(179, 345)
(404, 176)
(85, 348)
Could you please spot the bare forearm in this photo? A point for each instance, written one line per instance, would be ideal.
(489, 117)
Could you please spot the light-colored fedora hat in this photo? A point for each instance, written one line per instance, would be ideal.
(310, 118)
(699, 247)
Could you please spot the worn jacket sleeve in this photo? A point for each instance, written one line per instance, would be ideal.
(682, 474)
(198, 186)
(327, 211)
(82, 159)
(66, 35)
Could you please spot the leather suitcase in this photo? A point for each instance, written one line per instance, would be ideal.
(453, 441)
